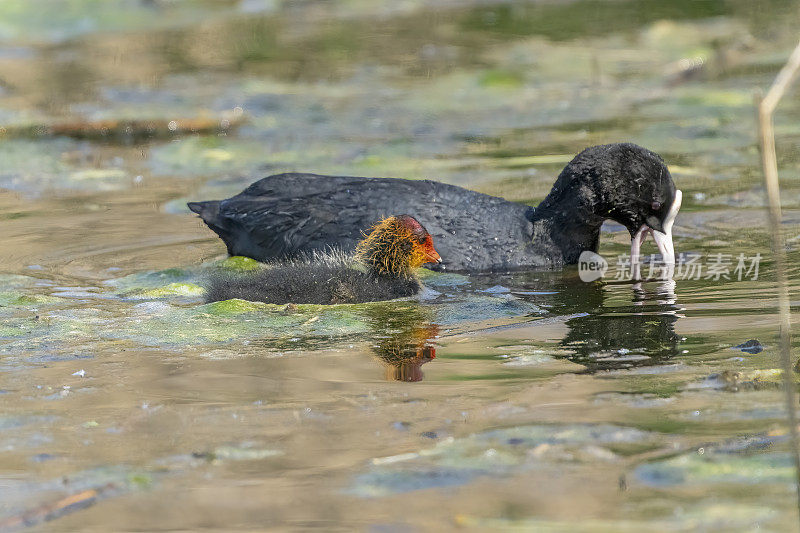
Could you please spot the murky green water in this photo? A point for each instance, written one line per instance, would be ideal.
(531, 401)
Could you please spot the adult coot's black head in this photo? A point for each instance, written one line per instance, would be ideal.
(622, 182)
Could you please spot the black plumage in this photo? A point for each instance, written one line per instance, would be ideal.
(332, 279)
(287, 215)
(383, 268)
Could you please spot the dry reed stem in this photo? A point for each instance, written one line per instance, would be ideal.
(766, 106)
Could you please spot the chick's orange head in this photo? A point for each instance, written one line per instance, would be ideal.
(396, 245)
(422, 242)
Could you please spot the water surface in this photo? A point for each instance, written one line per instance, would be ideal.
(530, 400)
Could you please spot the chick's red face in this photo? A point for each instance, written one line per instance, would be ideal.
(430, 252)
(424, 251)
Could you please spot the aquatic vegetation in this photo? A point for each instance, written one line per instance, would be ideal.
(488, 401)
(173, 289)
(705, 516)
(25, 21)
(494, 453)
(707, 467)
(239, 263)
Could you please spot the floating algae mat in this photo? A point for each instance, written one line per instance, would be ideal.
(758, 460)
(165, 308)
(496, 453)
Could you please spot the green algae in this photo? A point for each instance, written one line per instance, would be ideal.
(238, 321)
(441, 279)
(564, 22)
(21, 299)
(7, 331)
(718, 98)
(712, 516)
(279, 326)
(274, 325)
(33, 21)
(173, 289)
(503, 79)
(705, 467)
(205, 155)
(140, 480)
(142, 281)
(29, 164)
(239, 263)
(234, 307)
(99, 174)
(242, 453)
(457, 461)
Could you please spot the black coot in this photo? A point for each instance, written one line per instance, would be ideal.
(286, 215)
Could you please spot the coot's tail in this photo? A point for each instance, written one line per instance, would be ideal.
(209, 212)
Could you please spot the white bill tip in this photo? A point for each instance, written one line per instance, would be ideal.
(663, 240)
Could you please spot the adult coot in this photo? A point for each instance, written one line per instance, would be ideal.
(382, 269)
(284, 215)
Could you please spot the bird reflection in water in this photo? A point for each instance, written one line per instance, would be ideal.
(613, 325)
(639, 330)
(402, 335)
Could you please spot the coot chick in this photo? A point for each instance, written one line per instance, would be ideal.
(381, 269)
(285, 215)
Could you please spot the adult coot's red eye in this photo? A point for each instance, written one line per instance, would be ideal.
(656, 206)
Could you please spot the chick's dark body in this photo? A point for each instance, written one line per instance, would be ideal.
(331, 281)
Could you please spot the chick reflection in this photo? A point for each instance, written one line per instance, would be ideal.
(640, 331)
(402, 334)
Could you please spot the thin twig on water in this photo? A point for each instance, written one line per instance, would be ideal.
(766, 106)
(50, 511)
